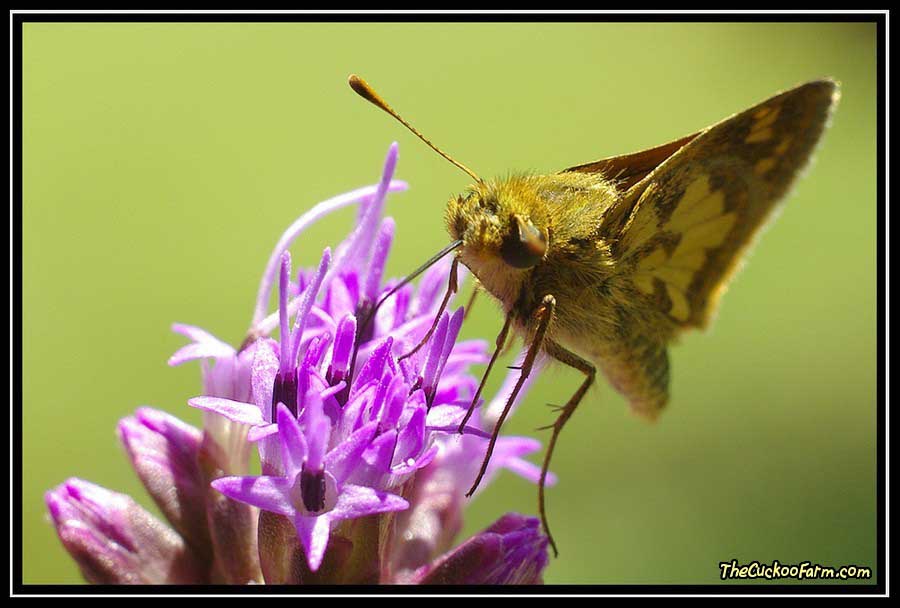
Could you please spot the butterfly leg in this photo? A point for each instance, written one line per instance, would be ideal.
(541, 322)
(452, 286)
(572, 360)
(498, 348)
(475, 289)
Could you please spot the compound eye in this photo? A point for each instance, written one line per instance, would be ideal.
(524, 246)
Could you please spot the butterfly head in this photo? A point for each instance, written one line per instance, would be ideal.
(501, 222)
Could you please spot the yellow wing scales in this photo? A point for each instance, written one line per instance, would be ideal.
(690, 220)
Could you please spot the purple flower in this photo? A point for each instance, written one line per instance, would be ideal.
(116, 541)
(512, 551)
(313, 491)
(363, 471)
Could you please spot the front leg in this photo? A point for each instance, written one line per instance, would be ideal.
(541, 322)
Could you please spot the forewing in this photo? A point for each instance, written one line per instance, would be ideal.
(688, 222)
(627, 170)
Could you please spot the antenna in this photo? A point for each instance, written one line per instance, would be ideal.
(365, 91)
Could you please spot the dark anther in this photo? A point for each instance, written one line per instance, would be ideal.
(285, 391)
(312, 489)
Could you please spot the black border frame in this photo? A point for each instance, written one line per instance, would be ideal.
(17, 587)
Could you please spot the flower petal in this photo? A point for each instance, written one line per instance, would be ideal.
(164, 453)
(358, 501)
(205, 345)
(373, 369)
(306, 301)
(509, 452)
(510, 552)
(115, 541)
(236, 411)
(293, 443)
(261, 432)
(313, 533)
(347, 455)
(412, 436)
(262, 376)
(264, 491)
(379, 257)
(317, 429)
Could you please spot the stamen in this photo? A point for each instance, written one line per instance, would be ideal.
(312, 490)
(284, 320)
(284, 391)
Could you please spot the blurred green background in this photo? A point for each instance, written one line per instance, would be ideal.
(162, 162)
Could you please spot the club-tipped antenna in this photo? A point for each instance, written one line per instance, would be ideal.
(365, 91)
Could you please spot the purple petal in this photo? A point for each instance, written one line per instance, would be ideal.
(373, 408)
(352, 413)
(509, 452)
(284, 279)
(358, 501)
(263, 491)
(343, 349)
(319, 321)
(333, 390)
(262, 378)
(164, 453)
(412, 436)
(433, 354)
(236, 411)
(315, 349)
(379, 454)
(317, 429)
(313, 533)
(511, 552)
(379, 258)
(261, 432)
(347, 455)
(396, 308)
(393, 408)
(431, 288)
(453, 327)
(115, 541)
(339, 301)
(446, 419)
(411, 465)
(373, 369)
(306, 303)
(293, 444)
(196, 334)
(445, 415)
(192, 352)
(358, 246)
(205, 345)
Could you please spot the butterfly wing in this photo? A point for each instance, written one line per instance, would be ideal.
(627, 170)
(684, 227)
